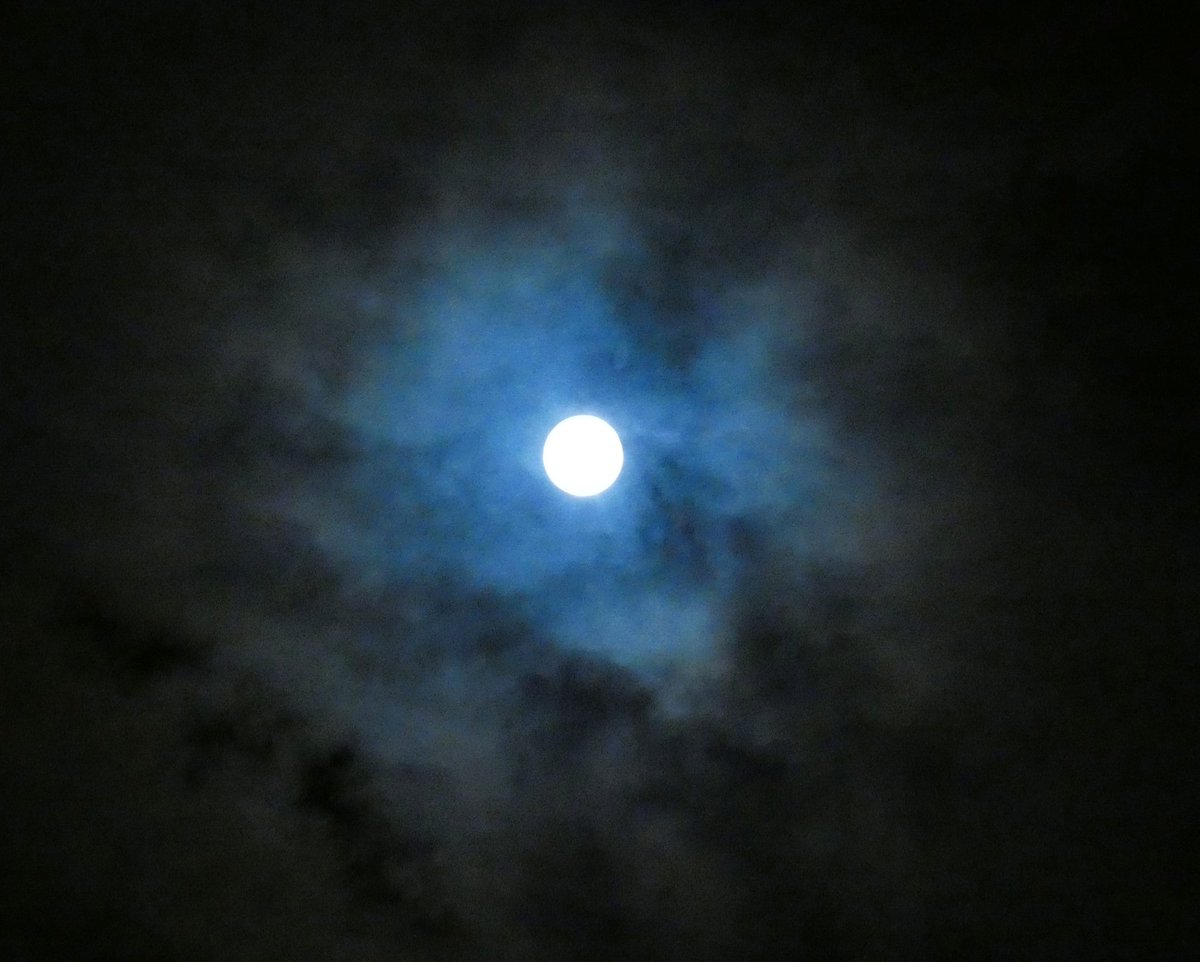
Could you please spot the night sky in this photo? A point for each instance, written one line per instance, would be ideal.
(884, 644)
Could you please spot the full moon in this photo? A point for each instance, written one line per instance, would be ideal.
(583, 455)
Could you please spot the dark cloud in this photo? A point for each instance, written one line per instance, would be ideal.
(879, 648)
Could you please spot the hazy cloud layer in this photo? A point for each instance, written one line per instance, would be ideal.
(875, 650)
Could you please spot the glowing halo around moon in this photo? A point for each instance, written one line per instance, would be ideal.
(583, 455)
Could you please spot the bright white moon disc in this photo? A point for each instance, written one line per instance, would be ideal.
(583, 455)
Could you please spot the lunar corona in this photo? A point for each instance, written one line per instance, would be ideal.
(583, 455)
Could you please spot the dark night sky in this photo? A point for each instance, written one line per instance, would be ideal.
(884, 644)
